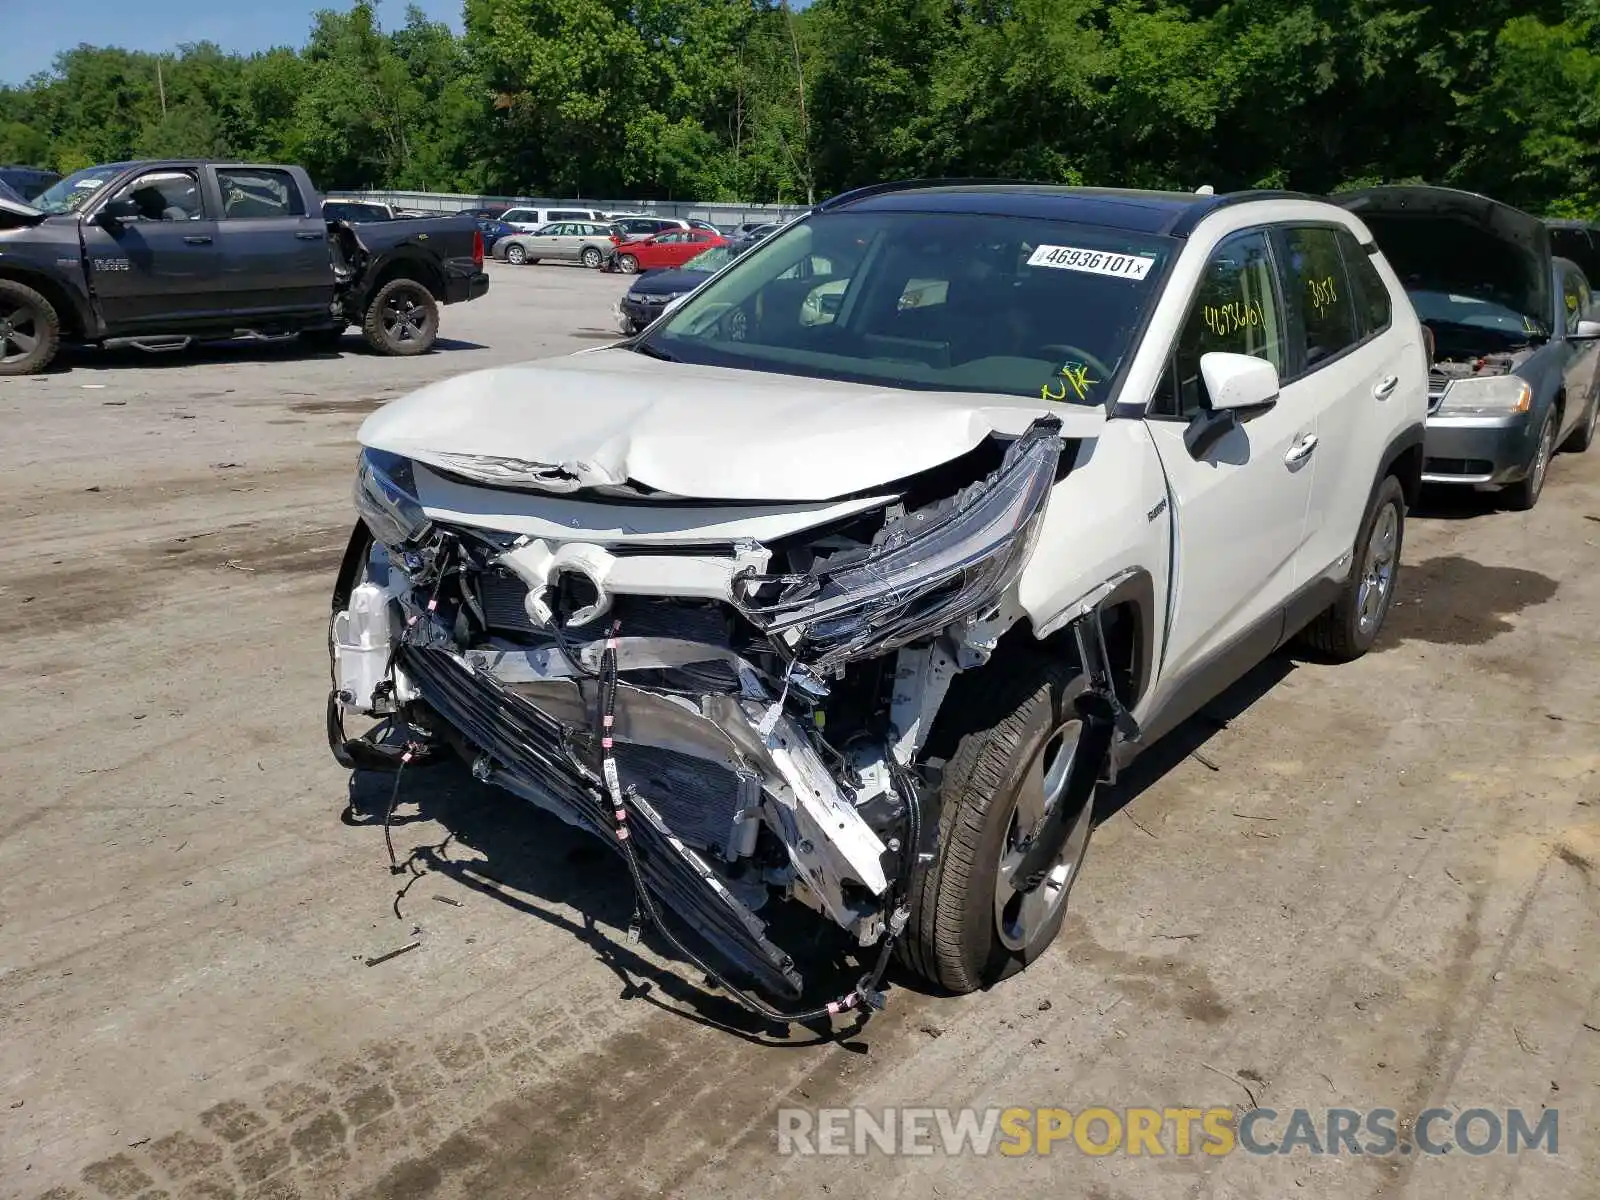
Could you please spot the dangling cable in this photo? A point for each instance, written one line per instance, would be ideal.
(864, 993)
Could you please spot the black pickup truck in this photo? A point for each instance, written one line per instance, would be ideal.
(156, 254)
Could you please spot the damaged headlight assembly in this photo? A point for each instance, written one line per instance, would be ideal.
(386, 498)
(917, 581)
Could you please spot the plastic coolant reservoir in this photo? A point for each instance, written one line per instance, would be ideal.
(361, 637)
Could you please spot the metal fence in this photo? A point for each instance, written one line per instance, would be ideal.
(716, 213)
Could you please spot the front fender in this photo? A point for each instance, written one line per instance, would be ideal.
(1106, 538)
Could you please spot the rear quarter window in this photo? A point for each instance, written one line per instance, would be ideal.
(1371, 294)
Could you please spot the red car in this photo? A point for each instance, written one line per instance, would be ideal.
(671, 249)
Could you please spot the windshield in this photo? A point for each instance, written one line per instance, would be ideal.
(710, 260)
(76, 190)
(1475, 312)
(929, 301)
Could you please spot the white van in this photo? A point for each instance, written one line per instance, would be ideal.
(526, 220)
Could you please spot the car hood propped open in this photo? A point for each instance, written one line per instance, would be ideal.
(614, 419)
(1444, 240)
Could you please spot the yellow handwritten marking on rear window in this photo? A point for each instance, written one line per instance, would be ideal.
(1075, 381)
(1323, 294)
(1223, 319)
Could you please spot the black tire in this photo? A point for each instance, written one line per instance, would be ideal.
(516, 255)
(1011, 714)
(323, 339)
(402, 319)
(30, 330)
(1525, 493)
(592, 257)
(627, 264)
(1581, 438)
(1341, 633)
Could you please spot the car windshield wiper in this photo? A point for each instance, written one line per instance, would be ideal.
(655, 352)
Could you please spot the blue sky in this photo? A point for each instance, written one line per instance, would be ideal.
(31, 44)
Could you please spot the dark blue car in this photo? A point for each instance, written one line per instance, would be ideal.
(652, 291)
(493, 230)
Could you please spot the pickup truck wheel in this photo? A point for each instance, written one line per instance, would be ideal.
(1524, 494)
(402, 319)
(591, 258)
(30, 330)
(627, 264)
(968, 928)
(516, 255)
(1346, 630)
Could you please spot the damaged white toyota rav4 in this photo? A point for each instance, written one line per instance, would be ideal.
(846, 581)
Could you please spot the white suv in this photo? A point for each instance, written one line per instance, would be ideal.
(847, 589)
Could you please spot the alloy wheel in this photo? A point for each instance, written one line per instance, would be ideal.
(1378, 569)
(19, 333)
(1020, 917)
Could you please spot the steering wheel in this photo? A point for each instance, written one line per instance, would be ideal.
(1065, 353)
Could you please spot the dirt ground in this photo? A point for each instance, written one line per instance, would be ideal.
(1369, 886)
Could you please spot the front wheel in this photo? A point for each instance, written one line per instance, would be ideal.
(1523, 495)
(628, 264)
(402, 319)
(591, 258)
(969, 928)
(516, 255)
(30, 330)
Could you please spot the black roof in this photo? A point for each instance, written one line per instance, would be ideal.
(1173, 214)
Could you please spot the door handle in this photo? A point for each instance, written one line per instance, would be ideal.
(1301, 450)
(197, 239)
(311, 236)
(1386, 387)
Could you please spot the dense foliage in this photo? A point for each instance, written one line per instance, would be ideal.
(742, 99)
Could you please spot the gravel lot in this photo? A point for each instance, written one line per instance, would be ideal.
(1371, 886)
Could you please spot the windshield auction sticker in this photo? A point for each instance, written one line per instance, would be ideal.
(1095, 262)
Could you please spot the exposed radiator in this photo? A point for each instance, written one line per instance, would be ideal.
(700, 800)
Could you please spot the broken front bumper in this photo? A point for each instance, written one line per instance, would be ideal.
(525, 750)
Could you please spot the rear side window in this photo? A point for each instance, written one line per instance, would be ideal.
(256, 193)
(568, 215)
(1315, 280)
(1370, 293)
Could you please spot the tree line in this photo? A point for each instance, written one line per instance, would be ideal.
(750, 100)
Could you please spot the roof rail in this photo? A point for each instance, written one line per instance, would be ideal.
(906, 185)
(1208, 203)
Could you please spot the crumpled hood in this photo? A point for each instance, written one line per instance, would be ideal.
(613, 416)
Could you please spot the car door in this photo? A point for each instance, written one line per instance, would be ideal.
(543, 243)
(1345, 371)
(569, 243)
(1240, 502)
(681, 246)
(274, 253)
(1583, 356)
(155, 269)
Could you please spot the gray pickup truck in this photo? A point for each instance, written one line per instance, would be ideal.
(155, 254)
